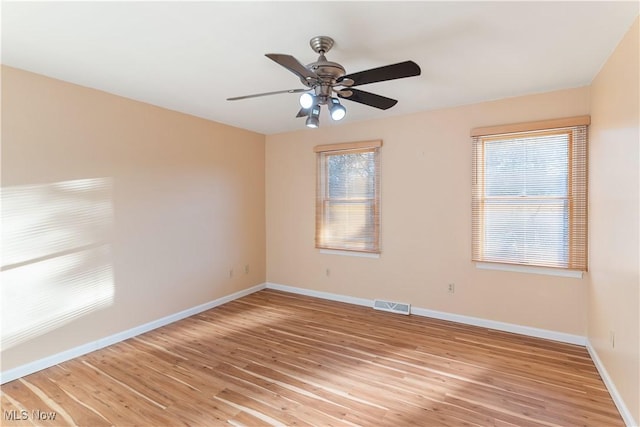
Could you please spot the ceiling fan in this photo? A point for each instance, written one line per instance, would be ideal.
(324, 78)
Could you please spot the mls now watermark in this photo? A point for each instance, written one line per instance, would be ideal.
(35, 415)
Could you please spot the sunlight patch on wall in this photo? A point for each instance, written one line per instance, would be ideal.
(56, 255)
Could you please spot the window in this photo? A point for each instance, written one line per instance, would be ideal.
(529, 196)
(348, 197)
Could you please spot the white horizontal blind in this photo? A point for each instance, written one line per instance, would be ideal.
(529, 202)
(347, 202)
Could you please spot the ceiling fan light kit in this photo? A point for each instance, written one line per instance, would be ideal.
(313, 119)
(306, 100)
(337, 110)
(324, 78)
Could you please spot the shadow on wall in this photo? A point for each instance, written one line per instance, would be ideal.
(56, 255)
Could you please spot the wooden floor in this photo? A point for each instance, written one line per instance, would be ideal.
(274, 358)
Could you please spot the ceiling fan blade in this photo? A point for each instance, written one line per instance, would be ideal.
(235, 98)
(293, 65)
(368, 98)
(381, 74)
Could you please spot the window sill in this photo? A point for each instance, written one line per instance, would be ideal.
(529, 269)
(349, 253)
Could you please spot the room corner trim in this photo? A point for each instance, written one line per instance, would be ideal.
(627, 417)
(458, 318)
(37, 365)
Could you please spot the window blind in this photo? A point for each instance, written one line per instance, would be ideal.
(529, 196)
(348, 196)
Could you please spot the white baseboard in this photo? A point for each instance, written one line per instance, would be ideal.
(319, 294)
(30, 368)
(467, 320)
(501, 326)
(627, 417)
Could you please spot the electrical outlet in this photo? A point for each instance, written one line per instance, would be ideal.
(451, 288)
(246, 269)
(612, 339)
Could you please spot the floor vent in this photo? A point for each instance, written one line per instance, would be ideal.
(393, 307)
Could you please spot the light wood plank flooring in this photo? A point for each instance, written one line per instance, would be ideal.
(274, 358)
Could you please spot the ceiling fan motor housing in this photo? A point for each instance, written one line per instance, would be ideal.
(328, 72)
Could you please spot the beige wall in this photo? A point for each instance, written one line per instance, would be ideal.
(185, 196)
(614, 294)
(426, 218)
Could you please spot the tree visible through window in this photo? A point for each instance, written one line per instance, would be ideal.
(529, 198)
(347, 211)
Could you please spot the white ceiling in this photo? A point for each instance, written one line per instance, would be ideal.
(191, 56)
